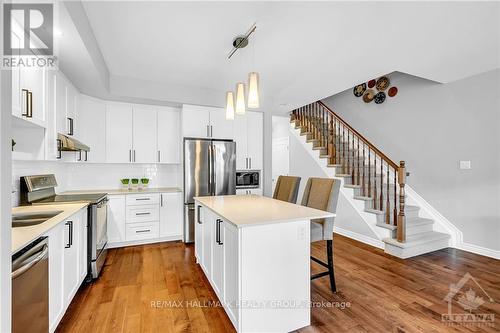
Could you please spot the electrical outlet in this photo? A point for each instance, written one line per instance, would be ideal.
(465, 165)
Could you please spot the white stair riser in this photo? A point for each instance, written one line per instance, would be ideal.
(416, 250)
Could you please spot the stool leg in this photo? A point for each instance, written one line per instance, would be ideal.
(329, 249)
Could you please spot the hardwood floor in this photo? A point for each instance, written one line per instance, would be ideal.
(383, 293)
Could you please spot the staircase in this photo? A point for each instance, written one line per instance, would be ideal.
(374, 182)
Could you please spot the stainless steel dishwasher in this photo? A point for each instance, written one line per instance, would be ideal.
(30, 288)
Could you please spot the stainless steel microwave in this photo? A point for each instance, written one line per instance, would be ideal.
(247, 179)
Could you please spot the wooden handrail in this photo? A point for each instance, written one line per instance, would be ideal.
(368, 143)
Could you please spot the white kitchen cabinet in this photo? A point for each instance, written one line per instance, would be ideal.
(91, 131)
(221, 128)
(16, 78)
(119, 125)
(169, 136)
(198, 233)
(56, 269)
(144, 135)
(195, 121)
(71, 257)
(241, 138)
(208, 219)
(255, 142)
(60, 103)
(116, 218)
(171, 218)
(218, 256)
(205, 122)
(71, 109)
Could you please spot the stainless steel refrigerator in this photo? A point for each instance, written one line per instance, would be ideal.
(209, 169)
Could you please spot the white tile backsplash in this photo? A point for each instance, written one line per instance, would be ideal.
(85, 176)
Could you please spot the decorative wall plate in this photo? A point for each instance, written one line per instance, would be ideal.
(379, 97)
(368, 96)
(393, 91)
(372, 83)
(359, 90)
(383, 83)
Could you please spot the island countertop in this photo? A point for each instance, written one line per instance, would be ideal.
(248, 210)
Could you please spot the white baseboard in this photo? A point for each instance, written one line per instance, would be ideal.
(144, 241)
(478, 250)
(359, 237)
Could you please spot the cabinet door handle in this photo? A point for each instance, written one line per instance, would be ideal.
(142, 199)
(250, 161)
(208, 132)
(139, 214)
(141, 231)
(159, 156)
(70, 234)
(130, 155)
(24, 94)
(79, 155)
(161, 200)
(199, 220)
(211, 131)
(134, 154)
(59, 149)
(219, 222)
(29, 111)
(217, 231)
(70, 126)
(86, 155)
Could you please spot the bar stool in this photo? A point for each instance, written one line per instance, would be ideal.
(323, 194)
(287, 189)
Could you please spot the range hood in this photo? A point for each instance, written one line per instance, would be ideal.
(69, 144)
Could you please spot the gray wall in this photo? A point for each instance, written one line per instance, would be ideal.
(432, 127)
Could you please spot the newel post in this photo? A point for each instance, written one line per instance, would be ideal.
(401, 232)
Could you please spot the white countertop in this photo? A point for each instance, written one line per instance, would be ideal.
(121, 191)
(22, 236)
(247, 210)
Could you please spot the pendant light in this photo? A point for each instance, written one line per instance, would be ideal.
(240, 98)
(253, 90)
(229, 106)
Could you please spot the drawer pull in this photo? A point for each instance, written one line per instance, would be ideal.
(142, 199)
(138, 214)
(141, 231)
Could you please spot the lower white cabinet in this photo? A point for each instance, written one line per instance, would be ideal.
(67, 263)
(144, 218)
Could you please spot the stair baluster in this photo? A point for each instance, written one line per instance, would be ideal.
(363, 185)
(395, 217)
(401, 233)
(375, 182)
(388, 201)
(369, 173)
(381, 204)
(357, 165)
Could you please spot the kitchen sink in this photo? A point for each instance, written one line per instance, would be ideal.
(31, 219)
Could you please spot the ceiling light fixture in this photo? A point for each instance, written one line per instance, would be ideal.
(253, 90)
(241, 41)
(229, 106)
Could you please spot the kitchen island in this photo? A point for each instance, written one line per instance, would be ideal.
(255, 253)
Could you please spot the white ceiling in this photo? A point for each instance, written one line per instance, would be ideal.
(304, 51)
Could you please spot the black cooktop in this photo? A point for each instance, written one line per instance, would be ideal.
(92, 198)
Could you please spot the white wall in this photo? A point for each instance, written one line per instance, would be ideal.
(432, 127)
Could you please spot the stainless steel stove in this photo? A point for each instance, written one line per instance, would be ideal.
(40, 190)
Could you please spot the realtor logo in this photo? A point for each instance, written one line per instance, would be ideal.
(469, 296)
(36, 26)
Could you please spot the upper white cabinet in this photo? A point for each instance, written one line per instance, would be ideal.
(91, 129)
(119, 125)
(169, 136)
(205, 122)
(144, 135)
(248, 134)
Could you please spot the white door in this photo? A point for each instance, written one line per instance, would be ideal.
(144, 135)
(195, 121)
(240, 137)
(116, 218)
(281, 164)
(255, 128)
(169, 135)
(198, 233)
(171, 219)
(218, 257)
(71, 253)
(118, 133)
(91, 128)
(220, 127)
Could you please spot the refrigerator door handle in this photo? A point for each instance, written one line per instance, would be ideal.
(210, 169)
